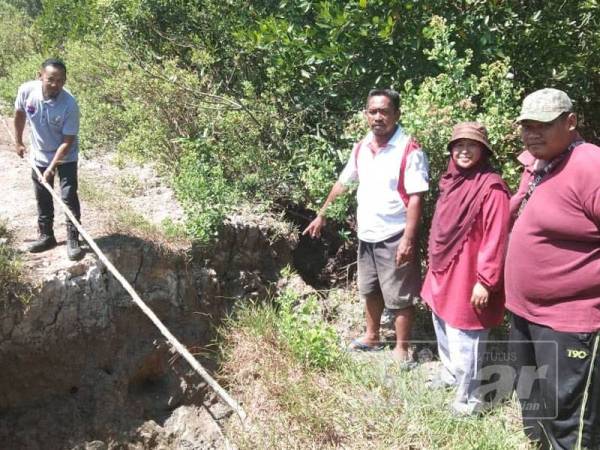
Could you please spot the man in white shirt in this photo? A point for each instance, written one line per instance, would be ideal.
(392, 174)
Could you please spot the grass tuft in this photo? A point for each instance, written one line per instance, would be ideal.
(11, 273)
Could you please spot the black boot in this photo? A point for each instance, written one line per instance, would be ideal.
(46, 241)
(74, 251)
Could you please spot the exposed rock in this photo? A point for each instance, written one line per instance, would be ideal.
(80, 360)
(194, 428)
(295, 283)
(83, 351)
(82, 366)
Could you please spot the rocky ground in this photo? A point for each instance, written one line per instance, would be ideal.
(82, 367)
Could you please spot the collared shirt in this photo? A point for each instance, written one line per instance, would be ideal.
(381, 211)
(542, 168)
(49, 121)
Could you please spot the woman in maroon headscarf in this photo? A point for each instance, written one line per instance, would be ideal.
(467, 243)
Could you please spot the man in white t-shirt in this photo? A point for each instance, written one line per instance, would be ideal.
(392, 174)
(53, 117)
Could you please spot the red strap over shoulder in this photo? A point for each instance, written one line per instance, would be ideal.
(411, 146)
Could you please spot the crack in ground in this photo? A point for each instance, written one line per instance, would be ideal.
(139, 267)
(56, 314)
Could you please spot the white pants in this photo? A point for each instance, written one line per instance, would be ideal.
(461, 354)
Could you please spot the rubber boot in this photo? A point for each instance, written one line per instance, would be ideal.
(74, 251)
(46, 240)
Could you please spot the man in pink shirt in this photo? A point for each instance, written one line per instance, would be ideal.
(392, 174)
(552, 276)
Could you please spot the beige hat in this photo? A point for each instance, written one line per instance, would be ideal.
(545, 105)
(470, 130)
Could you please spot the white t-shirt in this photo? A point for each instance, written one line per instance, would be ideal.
(381, 210)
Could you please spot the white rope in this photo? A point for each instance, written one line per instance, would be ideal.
(222, 393)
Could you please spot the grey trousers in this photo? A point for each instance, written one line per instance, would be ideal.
(461, 353)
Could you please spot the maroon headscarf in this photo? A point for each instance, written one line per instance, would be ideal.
(462, 193)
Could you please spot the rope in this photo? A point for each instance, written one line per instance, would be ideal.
(222, 393)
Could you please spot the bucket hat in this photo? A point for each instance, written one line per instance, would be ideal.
(470, 130)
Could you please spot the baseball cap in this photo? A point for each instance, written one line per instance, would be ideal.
(545, 105)
(470, 130)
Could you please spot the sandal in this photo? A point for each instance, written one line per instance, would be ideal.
(358, 346)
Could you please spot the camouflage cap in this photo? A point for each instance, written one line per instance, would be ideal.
(545, 105)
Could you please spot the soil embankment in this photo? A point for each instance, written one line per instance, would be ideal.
(82, 366)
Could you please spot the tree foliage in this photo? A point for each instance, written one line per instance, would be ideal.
(15, 37)
(262, 99)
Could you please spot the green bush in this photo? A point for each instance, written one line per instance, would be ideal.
(140, 108)
(23, 70)
(295, 326)
(97, 74)
(29, 7)
(206, 195)
(16, 38)
(318, 170)
(311, 340)
(433, 107)
(62, 21)
(10, 265)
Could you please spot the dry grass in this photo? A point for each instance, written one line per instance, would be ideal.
(118, 218)
(12, 280)
(364, 403)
